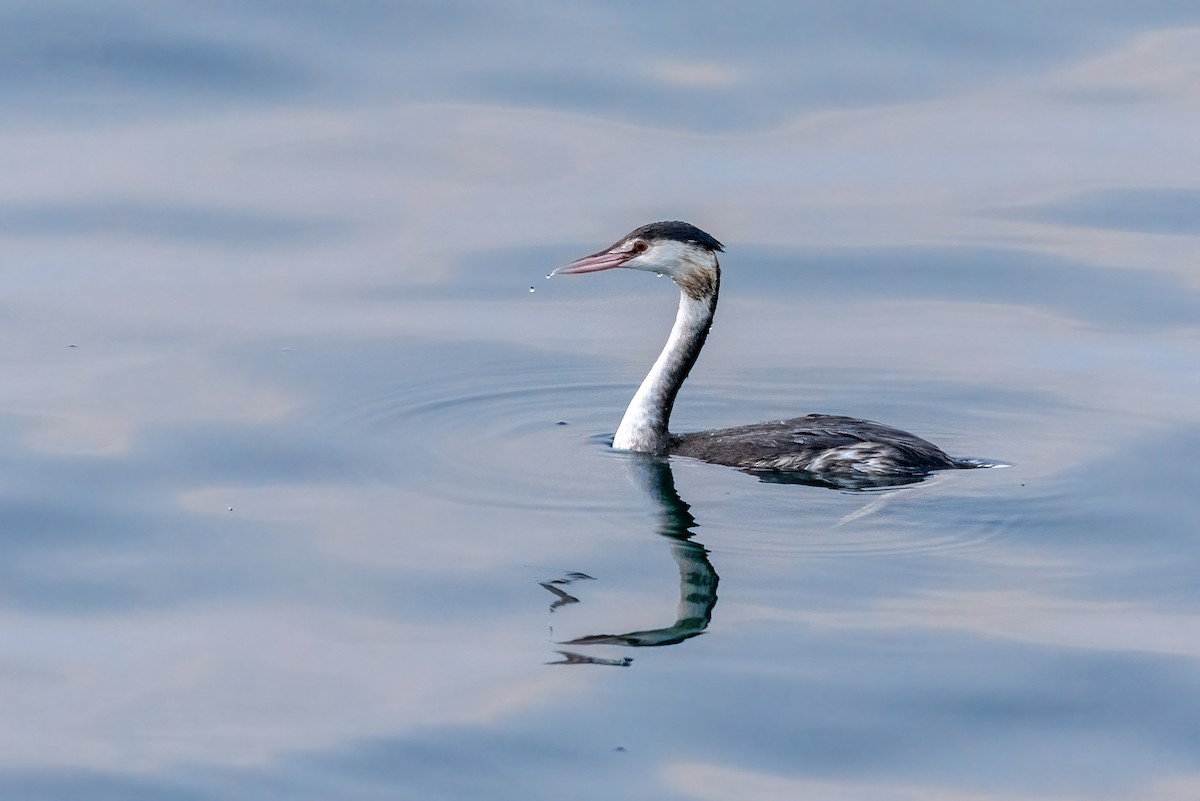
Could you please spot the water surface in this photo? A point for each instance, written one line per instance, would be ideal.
(306, 494)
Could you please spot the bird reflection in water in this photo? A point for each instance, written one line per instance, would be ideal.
(697, 578)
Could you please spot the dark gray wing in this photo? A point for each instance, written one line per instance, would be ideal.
(815, 443)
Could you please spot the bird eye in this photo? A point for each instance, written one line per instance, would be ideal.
(639, 246)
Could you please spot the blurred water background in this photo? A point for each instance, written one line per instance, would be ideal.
(305, 494)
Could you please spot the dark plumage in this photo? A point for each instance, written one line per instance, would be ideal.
(824, 444)
(675, 230)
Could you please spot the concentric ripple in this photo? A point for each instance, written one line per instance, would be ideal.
(527, 436)
(518, 446)
(737, 514)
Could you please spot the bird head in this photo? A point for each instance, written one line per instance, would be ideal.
(677, 249)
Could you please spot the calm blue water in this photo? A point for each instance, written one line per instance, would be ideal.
(305, 494)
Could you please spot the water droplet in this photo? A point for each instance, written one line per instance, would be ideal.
(72, 345)
(549, 275)
(531, 289)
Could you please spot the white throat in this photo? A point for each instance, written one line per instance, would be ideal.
(644, 426)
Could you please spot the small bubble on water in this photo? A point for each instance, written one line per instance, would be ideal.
(562, 423)
(549, 275)
(531, 289)
(72, 345)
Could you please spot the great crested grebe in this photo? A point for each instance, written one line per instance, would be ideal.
(820, 445)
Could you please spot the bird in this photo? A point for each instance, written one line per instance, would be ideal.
(831, 450)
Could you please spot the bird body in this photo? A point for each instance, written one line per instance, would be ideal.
(816, 443)
(828, 447)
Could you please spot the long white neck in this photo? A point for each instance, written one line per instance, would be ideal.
(644, 426)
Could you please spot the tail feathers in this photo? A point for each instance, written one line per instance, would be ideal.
(972, 464)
